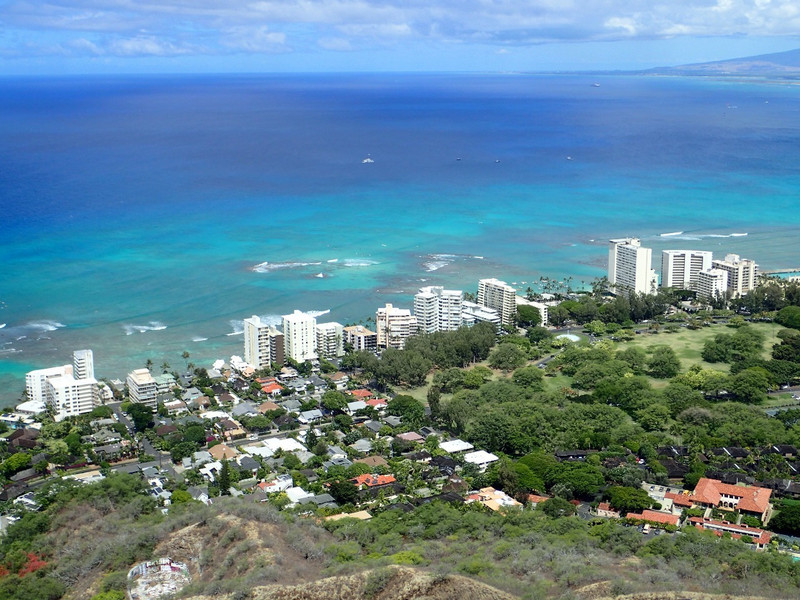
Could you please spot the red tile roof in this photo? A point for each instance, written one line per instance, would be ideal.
(534, 499)
(680, 499)
(655, 516)
(751, 498)
(360, 393)
(376, 402)
(373, 480)
(271, 388)
(737, 531)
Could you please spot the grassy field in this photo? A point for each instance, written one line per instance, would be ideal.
(688, 343)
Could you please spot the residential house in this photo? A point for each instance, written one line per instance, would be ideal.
(280, 484)
(370, 481)
(604, 510)
(354, 407)
(340, 380)
(493, 499)
(481, 459)
(310, 416)
(223, 451)
(455, 446)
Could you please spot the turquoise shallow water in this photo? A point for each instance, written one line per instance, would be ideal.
(134, 210)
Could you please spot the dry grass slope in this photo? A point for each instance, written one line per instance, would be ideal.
(388, 583)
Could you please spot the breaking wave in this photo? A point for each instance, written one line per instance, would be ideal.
(46, 325)
(358, 262)
(268, 267)
(151, 326)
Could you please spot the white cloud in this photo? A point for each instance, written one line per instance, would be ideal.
(258, 39)
(337, 44)
(266, 26)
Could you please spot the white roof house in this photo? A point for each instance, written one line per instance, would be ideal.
(354, 407)
(452, 446)
(481, 458)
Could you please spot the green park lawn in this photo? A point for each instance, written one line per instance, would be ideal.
(688, 343)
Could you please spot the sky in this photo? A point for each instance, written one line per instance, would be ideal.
(42, 37)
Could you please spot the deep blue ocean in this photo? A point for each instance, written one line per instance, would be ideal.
(146, 216)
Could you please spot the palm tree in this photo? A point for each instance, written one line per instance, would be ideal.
(165, 367)
(149, 364)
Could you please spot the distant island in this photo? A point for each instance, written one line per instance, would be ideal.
(783, 65)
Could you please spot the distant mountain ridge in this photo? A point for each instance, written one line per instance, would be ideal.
(785, 65)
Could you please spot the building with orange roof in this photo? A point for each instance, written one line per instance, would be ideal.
(760, 537)
(377, 403)
(655, 516)
(747, 499)
(361, 394)
(373, 480)
(534, 500)
(273, 388)
(680, 500)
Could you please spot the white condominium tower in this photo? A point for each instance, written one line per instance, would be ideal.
(70, 397)
(712, 283)
(83, 364)
(69, 390)
(142, 388)
(263, 344)
(360, 338)
(629, 267)
(395, 326)
(681, 269)
(742, 273)
(300, 336)
(35, 381)
(437, 309)
(500, 296)
(330, 339)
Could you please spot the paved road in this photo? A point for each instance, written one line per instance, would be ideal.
(164, 459)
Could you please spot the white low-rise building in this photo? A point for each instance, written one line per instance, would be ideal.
(453, 446)
(481, 459)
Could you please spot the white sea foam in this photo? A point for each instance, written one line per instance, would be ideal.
(317, 313)
(130, 329)
(199, 339)
(671, 234)
(268, 267)
(434, 265)
(333, 260)
(46, 325)
(320, 275)
(434, 262)
(237, 326)
(358, 262)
